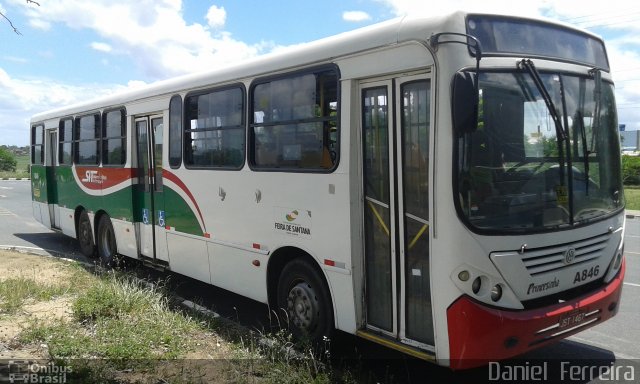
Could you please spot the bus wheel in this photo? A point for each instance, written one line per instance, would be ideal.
(304, 297)
(85, 235)
(107, 246)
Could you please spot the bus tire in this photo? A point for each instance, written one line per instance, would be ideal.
(85, 235)
(304, 299)
(106, 242)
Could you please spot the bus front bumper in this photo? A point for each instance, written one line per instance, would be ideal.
(479, 334)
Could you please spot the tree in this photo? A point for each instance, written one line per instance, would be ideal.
(7, 160)
(11, 23)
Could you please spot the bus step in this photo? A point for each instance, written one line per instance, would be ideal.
(394, 344)
(156, 264)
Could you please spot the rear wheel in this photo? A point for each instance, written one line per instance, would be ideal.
(107, 246)
(85, 235)
(304, 297)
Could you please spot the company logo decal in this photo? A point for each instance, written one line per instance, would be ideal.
(292, 216)
(295, 222)
(569, 256)
(539, 288)
(92, 176)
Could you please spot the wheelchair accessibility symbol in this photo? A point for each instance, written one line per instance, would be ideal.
(145, 216)
(161, 218)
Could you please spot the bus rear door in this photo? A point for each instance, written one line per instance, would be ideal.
(149, 199)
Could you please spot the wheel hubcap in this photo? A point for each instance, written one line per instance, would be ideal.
(303, 306)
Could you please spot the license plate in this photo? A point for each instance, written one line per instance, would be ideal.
(572, 319)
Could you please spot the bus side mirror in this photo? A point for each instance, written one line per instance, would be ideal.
(465, 103)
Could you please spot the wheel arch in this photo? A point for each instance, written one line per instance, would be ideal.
(281, 257)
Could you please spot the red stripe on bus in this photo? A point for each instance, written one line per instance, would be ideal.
(172, 177)
(97, 178)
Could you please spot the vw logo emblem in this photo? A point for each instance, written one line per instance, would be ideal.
(569, 256)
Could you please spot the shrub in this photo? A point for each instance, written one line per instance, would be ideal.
(7, 160)
(631, 170)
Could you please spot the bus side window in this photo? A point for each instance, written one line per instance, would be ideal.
(295, 122)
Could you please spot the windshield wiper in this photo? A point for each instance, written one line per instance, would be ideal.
(527, 64)
(597, 96)
(561, 135)
(585, 151)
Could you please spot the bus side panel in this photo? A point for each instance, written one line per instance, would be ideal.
(39, 194)
(189, 256)
(228, 264)
(67, 221)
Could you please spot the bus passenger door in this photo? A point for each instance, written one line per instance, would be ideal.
(51, 164)
(149, 199)
(395, 123)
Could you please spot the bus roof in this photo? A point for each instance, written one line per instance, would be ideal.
(320, 51)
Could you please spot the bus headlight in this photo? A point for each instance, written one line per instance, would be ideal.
(485, 287)
(496, 292)
(618, 261)
(476, 285)
(615, 264)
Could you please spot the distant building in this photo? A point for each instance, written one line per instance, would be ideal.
(630, 141)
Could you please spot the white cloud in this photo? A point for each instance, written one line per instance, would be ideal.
(355, 16)
(153, 33)
(102, 47)
(216, 17)
(20, 98)
(15, 59)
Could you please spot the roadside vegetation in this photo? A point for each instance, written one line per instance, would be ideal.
(632, 197)
(631, 180)
(112, 327)
(13, 165)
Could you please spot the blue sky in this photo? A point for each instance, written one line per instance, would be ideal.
(72, 50)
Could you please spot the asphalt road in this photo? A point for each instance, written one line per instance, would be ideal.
(616, 342)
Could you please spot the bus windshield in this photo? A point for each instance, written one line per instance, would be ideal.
(519, 172)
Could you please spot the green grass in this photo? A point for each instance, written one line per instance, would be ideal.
(15, 292)
(632, 197)
(122, 324)
(118, 318)
(133, 321)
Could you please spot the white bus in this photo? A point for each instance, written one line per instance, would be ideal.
(449, 187)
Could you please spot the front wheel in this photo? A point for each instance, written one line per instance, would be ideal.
(304, 297)
(107, 246)
(85, 235)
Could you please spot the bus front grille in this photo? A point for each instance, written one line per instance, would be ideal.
(543, 260)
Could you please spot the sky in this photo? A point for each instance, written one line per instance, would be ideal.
(73, 50)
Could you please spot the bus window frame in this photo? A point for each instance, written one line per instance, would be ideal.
(251, 153)
(62, 141)
(104, 139)
(180, 133)
(97, 138)
(34, 144)
(186, 123)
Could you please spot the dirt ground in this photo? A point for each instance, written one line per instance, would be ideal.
(42, 270)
